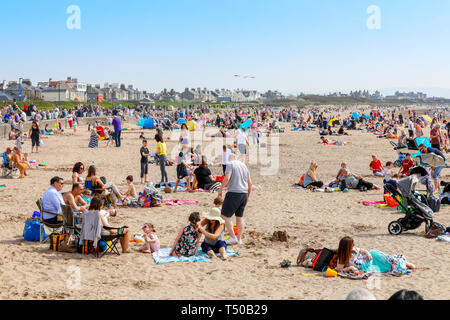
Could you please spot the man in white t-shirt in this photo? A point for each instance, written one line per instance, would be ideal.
(225, 158)
(411, 128)
(242, 141)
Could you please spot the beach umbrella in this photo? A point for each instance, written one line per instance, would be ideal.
(366, 116)
(355, 115)
(181, 121)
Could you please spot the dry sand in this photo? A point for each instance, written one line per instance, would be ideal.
(32, 271)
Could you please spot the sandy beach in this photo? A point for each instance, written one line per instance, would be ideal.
(29, 270)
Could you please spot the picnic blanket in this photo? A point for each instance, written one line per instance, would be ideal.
(171, 202)
(163, 256)
(374, 203)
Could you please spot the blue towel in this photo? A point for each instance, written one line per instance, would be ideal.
(164, 257)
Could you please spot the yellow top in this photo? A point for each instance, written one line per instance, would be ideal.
(161, 146)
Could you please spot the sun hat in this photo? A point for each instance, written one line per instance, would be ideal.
(214, 214)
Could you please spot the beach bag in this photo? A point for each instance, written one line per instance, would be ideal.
(306, 254)
(88, 247)
(68, 245)
(56, 239)
(391, 201)
(323, 259)
(434, 202)
(300, 183)
(435, 230)
(31, 231)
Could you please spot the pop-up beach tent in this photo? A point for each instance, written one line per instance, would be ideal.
(147, 123)
(246, 124)
(181, 121)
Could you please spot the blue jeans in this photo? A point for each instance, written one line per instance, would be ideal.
(117, 137)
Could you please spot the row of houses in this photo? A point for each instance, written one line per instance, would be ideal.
(73, 90)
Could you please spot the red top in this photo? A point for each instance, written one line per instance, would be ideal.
(406, 165)
(376, 166)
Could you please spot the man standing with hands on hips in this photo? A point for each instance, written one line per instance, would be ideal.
(239, 186)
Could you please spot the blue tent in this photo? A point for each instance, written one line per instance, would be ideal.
(147, 124)
(246, 124)
(355, 115)
(181, 121)
(366, 116)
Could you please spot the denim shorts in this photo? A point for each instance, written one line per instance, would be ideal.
(437, 172)
(219, 244)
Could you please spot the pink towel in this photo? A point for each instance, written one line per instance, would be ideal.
(368, 203)
(169, 202)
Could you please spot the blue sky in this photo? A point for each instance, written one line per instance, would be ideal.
(288, 45)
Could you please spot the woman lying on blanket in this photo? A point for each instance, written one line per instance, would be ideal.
(325, 141)
(359, 261)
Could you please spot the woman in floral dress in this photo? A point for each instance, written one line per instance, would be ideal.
(188, 239)
(358, 261)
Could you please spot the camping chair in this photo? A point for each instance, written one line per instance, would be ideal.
(69, 221)
(98, 193)
(55, 228)
(91, 224)
(9, 169)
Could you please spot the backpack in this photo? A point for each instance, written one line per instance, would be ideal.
(323, 259)
(145, 199)
(151, 197)
(434, 202)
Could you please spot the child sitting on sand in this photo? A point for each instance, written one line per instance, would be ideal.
(188, 239)
(152, 243)
(131, 194)
(389, 176)
(376, 167)
(142, 136)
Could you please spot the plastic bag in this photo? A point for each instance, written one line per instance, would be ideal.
(32, 229)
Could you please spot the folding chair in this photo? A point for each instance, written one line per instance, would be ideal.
(55, 227)
(91, 224)
(98, 192)
(111, 243)
(69, 221)
(9, 169)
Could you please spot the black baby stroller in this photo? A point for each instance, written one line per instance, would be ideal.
(417, 212)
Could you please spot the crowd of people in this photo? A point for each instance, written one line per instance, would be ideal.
(89, 192)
